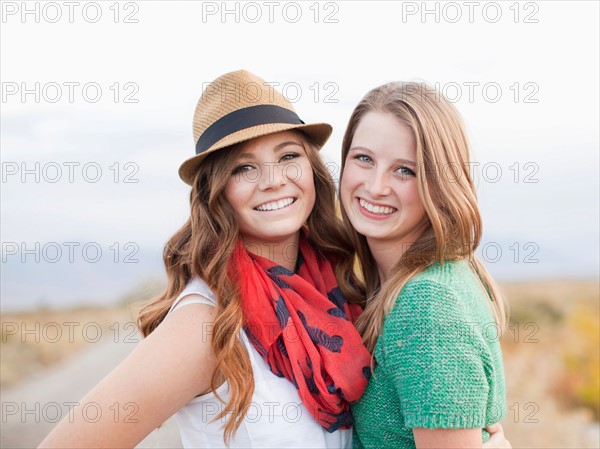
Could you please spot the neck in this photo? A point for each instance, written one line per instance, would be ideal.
(283, 252)
(386, 256)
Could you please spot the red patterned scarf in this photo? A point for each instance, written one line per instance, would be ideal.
(302, 327)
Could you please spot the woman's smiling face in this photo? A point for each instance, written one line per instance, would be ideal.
(379, 188)
(271, 188)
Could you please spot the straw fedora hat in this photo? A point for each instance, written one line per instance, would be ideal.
(240, 106)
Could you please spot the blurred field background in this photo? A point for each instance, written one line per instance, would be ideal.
(551, 357)
(552, 361)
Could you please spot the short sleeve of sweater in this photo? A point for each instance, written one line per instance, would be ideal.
(434, 357)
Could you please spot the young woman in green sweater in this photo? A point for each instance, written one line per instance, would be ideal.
(433, 314)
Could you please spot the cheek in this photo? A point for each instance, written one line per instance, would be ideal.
(299, 173)
(411, 192)
(310, 187)
(348, 183)
(310, 193)
(302, 175)
(235, 194)
(229, 193)
(410, 197)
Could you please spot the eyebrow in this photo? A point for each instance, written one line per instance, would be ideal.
(275, 150)
(369, 152)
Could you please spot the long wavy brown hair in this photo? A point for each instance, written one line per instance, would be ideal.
(203, 247)
(452, 228)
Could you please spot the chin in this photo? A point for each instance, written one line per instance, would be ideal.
(278, 233)
(372, 232)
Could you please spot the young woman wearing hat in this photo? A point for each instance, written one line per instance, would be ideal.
(433, 311)
(252, 343)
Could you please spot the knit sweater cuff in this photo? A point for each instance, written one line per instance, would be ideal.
(443, 421)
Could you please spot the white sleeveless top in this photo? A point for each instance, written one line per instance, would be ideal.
(276, 417)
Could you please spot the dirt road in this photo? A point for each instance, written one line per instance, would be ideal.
(31, 409)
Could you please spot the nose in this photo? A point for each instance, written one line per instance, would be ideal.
(378, 184)
(272, 176)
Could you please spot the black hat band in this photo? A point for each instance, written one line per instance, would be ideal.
(245, 118)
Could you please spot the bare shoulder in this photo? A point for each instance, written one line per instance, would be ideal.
(181, 346)
(190, 323)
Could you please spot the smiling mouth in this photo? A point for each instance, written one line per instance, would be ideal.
(381, 210)
(275, 205)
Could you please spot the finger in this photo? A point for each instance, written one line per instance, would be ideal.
(494, 428)
(495, 441)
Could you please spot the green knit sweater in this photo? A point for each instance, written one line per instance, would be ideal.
(438, 362)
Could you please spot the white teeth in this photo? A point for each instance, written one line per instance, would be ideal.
(383, 210)
(275, 205)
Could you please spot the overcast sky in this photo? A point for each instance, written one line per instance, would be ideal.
(81, 93)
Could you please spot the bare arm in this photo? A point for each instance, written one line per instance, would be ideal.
(447, 438)
(165, 371)
(460, 438)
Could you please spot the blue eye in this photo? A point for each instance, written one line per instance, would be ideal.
(364, 158)
(405, 171)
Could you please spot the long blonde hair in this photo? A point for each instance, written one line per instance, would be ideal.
(203, 247)
(453, 229)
